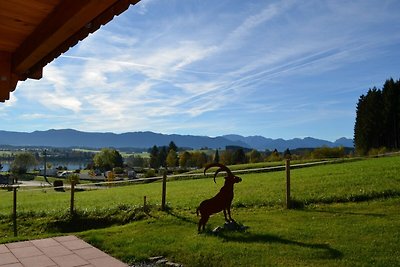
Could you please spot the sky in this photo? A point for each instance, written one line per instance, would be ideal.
(279, 69)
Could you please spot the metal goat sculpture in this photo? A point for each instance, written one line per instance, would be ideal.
(221, 201)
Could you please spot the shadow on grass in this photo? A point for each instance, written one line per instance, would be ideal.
(81, 221)
(181, 217)
(377, 215)
(247, 237)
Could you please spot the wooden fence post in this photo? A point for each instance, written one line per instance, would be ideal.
(287, 165)
(144, 203)
(72, 198)
(164, 190)
(15, 210)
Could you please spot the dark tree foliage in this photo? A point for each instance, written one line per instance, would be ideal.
(239, 157)
(154, 157)
(172, 146)
(158, 155)
(107, 159)
(216, 157)
(378, 118)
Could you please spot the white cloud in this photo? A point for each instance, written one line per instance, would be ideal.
(203, 62)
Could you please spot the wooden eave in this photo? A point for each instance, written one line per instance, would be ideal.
(35, 32)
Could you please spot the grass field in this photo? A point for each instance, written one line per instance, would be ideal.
(349, 216)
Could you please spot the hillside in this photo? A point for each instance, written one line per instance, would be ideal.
(74, 138)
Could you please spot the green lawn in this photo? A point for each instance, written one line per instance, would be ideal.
(350, 216)
(350, 234)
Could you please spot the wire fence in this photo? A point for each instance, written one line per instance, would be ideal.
(35, 198)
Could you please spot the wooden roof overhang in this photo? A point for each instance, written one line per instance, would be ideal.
(35, 32)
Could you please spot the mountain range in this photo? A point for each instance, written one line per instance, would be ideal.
(74, 138)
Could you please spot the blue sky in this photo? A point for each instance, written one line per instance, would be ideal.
(280, 69)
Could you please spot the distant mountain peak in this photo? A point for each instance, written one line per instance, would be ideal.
(147, 139)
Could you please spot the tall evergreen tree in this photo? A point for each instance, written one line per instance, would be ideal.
(216, 157)
(172, 146)
(378, 118)
(154, 157)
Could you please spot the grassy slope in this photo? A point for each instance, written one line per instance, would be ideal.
(347, 234)
(350, 234)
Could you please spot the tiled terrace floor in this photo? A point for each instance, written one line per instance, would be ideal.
(64, 251)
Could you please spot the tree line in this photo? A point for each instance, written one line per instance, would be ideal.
(377, 125)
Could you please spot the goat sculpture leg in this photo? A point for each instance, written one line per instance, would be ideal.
(226, 218)
(202, 223)
(229, 214)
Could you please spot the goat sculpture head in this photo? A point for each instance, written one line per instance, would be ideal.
(229, 175)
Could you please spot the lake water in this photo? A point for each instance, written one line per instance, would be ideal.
(55, 164)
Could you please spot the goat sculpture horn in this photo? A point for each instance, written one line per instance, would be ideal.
(221, 168)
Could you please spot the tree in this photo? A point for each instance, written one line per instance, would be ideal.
(391, 113)
(227, 157)
(135, 161)
(154, 158)
(22, 162)
(172, 159)
(287, 154)
(216, 157)
(378, 118)
(172, 146)
(255, 156)
(274, 156)
(107, 159)
(162, 157)
(184, 159)
(239, 157)
(198, 159)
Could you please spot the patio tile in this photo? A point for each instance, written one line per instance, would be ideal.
(90, 253)
(13, 265)
(44, 243)
(75, 244)
(64, 251)
(70, 261)
(22, 244)
(6, 258)
(65, 238)
(55, 251)
(107, 262)
(37, 261)
(25, 252)
(3, 249)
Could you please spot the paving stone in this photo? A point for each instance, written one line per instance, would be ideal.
(90, 253)
(107, 262)
(65, 238)
(6, 258)
(44, 243)
(63, 251)
(55, 251)
(70, 261)
(38, 261)
(3, 249)
(22, 244)
(75, 244)
(25, 252)
(13, 265)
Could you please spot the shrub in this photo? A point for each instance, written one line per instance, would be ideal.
(118, 170)
(74, 177)
(58, 185)
(150, 173)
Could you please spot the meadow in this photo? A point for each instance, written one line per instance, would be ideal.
(346, 214)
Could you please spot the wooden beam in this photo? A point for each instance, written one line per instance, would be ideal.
(67, 24)
(5, 75)
(65, 20)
